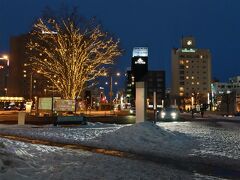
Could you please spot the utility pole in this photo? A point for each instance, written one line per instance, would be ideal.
(31, 86)
(111, 92)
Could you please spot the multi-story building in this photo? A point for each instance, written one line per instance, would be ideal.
(220, 91)
(154, 80)
(19, 78)
(155, 83)
(191, 74)
(4, 68)
(22, 80)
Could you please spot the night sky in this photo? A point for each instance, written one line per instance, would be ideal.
(158, 24)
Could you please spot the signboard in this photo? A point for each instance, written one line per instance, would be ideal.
(140, 51)
(64, 105)
(28, 106)
(140, 61)
(45, 103)
(188, 50)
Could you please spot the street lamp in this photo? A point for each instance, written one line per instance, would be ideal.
(111, 87)
(6, 58)
(228, 92)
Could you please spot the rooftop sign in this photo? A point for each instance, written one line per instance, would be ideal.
(140, 51)
(140, 61)
(188, 50)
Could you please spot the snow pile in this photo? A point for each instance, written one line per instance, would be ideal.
(145, 138)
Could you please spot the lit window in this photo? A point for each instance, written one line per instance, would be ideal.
(24, 75)
(181, 89)
(187, 67)
(181, 62)
(187, 77)
(180, 94)
(192, 77)
(192, 82)
(187, 61)
(197, 83)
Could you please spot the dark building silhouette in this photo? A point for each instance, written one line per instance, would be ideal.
(23, 81)
(154, 80)
(3, 76)
(18, 85)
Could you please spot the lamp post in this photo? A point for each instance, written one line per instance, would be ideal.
(228, 92)
(111, 87)
(31, 86)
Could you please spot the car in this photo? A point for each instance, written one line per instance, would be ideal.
(170, 113)
(132, 111)
(10, 107)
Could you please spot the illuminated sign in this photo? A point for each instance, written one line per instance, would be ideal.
(188, 50)
(140, 61)
(12, 99)
(64, 105)
(45, 103)
(140, 51)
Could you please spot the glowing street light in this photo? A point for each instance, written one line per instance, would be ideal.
(111, 85)
(5, 57)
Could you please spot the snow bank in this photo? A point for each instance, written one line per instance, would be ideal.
(145, 137)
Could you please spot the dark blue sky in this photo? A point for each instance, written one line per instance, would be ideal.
(158, 24)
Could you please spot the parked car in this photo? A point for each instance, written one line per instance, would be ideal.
(132, 110)
(10, 107)
(169, 113)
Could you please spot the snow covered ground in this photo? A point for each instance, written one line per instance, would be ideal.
(20, 160)
(143, 137)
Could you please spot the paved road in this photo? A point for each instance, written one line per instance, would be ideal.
(11, 117)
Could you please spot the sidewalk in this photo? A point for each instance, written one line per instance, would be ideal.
(209, 116)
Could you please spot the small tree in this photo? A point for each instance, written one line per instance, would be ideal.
(69, 56)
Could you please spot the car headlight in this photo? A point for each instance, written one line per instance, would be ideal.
(163, 114)
(173, 115)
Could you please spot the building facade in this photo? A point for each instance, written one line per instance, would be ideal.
(191, 74)
(154, 80)
(222, 92)
(4, 72)
(23, 81)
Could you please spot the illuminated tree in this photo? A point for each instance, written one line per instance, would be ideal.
(69, 56)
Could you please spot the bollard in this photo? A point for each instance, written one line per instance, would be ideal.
(21, 118)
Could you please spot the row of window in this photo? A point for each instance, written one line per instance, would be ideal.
(194, 56)
(228, 86)
(181, 78)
